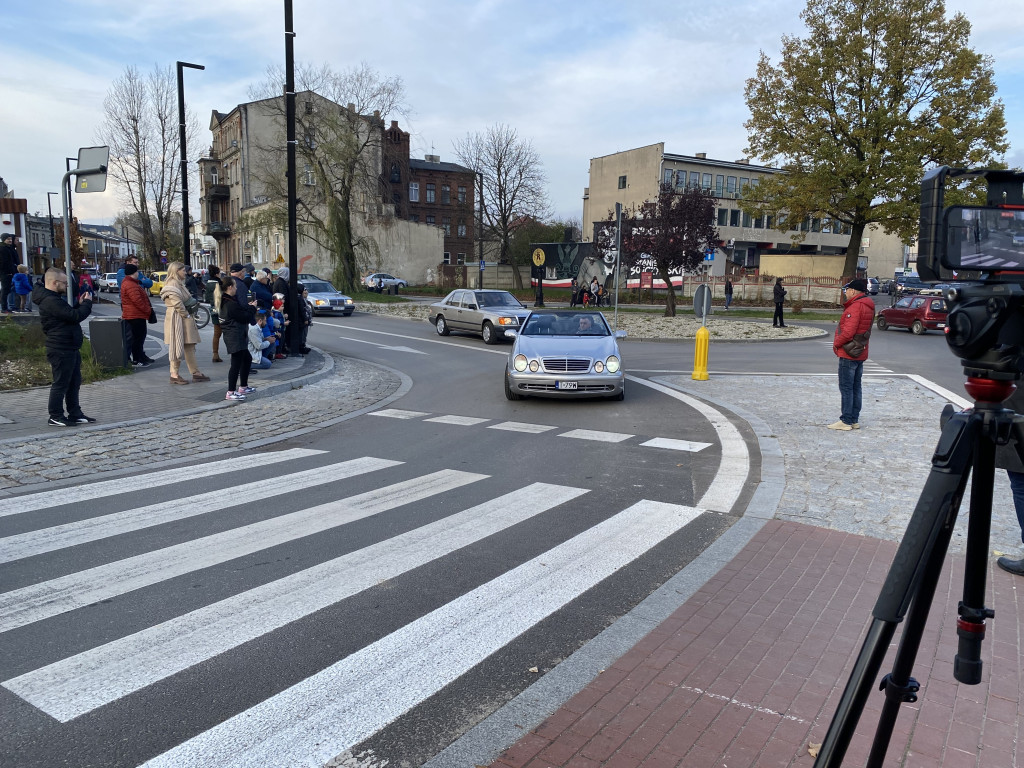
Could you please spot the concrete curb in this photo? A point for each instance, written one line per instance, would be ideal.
(483, 743)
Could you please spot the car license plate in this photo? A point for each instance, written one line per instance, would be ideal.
(940, 325)
(566, 385)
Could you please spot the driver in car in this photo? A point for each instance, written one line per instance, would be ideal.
(585, 325)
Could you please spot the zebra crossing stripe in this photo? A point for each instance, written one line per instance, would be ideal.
(48, 499)
(331, 711)
(675, 445)
(596, 435)
(50, 598)
(80, 532)
(462, 421)
(71, 687)
(397, 413)
(521, 426)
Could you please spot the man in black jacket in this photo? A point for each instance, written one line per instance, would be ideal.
(8, 266)
(62, 325)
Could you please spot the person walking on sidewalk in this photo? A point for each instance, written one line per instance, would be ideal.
(728, 293)
(8, 266)
(210, 291)
(778, 296)
(180, 332)
(850, 345)
(135, 310)
(23, 289)
(235, 320)
(62, 326)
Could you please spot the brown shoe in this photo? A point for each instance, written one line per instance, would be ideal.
(217, 360)
(178, 380)
(199, 377)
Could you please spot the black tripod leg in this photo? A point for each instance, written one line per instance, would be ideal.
(929, 530)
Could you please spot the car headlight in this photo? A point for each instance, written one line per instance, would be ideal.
(519, 363)
(534, 366)
(349, 301)
(613, 364)
(506, 321)
(598, 367)
(320, 302)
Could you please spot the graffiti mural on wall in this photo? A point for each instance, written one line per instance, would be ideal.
(564, 261)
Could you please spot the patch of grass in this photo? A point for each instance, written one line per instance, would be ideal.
(23, 360)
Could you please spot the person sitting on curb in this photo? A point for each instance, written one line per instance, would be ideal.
(258, 342)
(62, 325)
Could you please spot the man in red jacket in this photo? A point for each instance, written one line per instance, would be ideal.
(858, 315)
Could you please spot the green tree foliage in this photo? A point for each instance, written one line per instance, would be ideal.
(532, 231)
(673, 231)
(877, 91)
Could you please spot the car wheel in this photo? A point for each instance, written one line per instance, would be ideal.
(490, 337)
(882, 323)
(441, 326)
(509, 394)
(917, 328)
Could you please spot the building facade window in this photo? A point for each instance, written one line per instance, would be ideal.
(759, 222)
(430, 218)
(414, 217)
(622, 182)
(719, 185)
(414, 191)
(705, 181)
(431, 193)
(734, 218)
(446, 222)
(730, 185)
(446, 194)
(462, 194)
(723, 216)
(667, 179)
(747, 220)
(694, 179)
(447, 258)
(396, 175)
(462, 228)
(461, 259)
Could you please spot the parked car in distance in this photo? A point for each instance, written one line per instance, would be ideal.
(158, 278)
(918, 313)
(565, 353)
(379, 281)
(325, 298)
(487, 312)
(909, 284)
(1018, 239)
(873, 286)
(107, 282)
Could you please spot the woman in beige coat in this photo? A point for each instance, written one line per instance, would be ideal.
(180, 332)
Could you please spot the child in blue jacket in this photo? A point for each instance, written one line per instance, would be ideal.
(22, 288)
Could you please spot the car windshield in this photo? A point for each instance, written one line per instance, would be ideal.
(914, 281)
(497, 299)
(319, 287)
(566, 324)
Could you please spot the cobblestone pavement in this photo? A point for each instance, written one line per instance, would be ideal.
(866, 481)
(352, 386)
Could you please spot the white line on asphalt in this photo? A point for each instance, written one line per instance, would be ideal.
(675, 445)
(428, 341)
(94, 528)
(462, 421)
(46, 499)
(71, 687)
(325, 714)
(596, 435)
(520, 426)
(958, 400)
(734, 468)
(384, 346)
(66, 593)
(396, 413)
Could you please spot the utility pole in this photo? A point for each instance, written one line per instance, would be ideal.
(289, 105)
(480, 230)
(185, 236)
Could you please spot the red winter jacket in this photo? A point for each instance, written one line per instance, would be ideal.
(134, 301)
(858, 315)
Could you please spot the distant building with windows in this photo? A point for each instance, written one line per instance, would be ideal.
(747, 242)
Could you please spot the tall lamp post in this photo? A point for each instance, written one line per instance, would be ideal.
(293, 237)
(185, 244)
(49, 208)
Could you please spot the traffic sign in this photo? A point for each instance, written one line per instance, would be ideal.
(93, 159)
(702, 301)
(538, 257)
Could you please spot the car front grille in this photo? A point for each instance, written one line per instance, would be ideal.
(566, 364)
(537, 387)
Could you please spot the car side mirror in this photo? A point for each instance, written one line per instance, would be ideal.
(472, 306)
(511, 334)
(620, 334)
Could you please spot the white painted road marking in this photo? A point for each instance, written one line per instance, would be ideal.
(519, 426)
(50, 598)
(47, 499)
(397, 413)
(95, 528)
(384, 346)
(675, 445)
(463, 421)
(596, 435)
(71, 687)
(329, 712)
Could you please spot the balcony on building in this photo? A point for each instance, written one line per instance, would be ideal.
(218, 229)
(217, 191)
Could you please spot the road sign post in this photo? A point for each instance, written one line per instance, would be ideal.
(90, 176)
(701, 308)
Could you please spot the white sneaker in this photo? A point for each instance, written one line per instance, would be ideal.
(234, 396)
(841, 426)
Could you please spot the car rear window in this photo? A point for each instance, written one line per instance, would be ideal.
(938, 305)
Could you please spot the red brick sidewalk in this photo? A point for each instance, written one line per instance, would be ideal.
(749, 670)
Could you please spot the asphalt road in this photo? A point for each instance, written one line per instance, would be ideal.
(393, 579)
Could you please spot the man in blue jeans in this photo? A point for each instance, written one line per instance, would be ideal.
(858, 315)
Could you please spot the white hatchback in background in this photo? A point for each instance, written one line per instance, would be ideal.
(107, 282)
(873, 286)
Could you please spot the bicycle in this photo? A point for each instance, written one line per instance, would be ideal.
(201, 314)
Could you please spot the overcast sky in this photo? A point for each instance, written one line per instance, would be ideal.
(580, 79)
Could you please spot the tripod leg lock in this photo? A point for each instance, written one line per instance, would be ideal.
(970, 628)
(907, 693)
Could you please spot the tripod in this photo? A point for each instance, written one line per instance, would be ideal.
(968, 442)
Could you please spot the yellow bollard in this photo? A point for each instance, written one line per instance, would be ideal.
(700, 355)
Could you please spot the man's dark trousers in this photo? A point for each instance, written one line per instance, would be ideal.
(6, 289)
(67, 380)
(135, 338)
(777, 320)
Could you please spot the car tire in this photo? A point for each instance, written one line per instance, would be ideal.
(882, 323)
(441, 326)
(509, 394)
(917, 328)
(489, 334)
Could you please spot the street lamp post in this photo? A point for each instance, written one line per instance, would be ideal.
(49, 208)
(185, 244)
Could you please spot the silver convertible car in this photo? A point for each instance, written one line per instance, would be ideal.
(487, 312)
(565, 353)
(324, 297)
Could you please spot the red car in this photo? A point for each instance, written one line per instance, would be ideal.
(918, 313)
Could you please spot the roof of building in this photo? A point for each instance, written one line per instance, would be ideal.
(427, 165)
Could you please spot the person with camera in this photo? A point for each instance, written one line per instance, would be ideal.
(180, 332)
(62, 325)
(850, 345)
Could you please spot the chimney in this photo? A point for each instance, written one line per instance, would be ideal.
(394, 124)
(702, 155)
(351, 107)
(743, 161)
